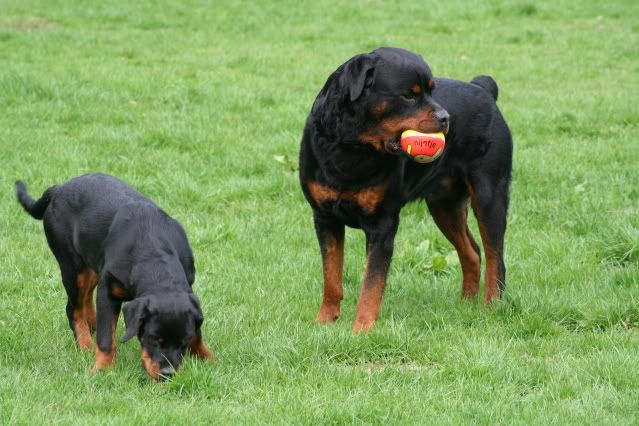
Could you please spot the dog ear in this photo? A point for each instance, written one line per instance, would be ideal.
(358, 74)
(197, 311)
(134, 313)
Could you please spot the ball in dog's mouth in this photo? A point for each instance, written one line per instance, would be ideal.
(423, 147)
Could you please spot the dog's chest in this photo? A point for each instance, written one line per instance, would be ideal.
(347, 202)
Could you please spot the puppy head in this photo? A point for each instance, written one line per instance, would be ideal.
(166, 326)
(383, 93)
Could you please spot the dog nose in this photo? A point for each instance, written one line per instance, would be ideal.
(442, 116)
(167, 372)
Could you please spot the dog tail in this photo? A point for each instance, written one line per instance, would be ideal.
(487, 83)
(34, 208)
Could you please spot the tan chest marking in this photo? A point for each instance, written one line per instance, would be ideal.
(367, 198)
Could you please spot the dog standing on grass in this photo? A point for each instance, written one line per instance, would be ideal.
(354, 173)
(104, 233)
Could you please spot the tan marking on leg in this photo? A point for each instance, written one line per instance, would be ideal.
(453, 224)
(81, 329)
(106, 359)
(368, 305)
(89, 312)
(84, 313)
(102, 360)
(491, 278)
(89, 306)
(333, 266)
(370, 298)
(471, 267)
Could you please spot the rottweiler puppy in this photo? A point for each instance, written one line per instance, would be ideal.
(354, 173)
(104, 233)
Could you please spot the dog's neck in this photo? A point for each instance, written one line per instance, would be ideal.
(348, 165)
(159, 275)
(343, 160)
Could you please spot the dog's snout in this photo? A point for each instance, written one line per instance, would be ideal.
(167, 372)
(442, 117)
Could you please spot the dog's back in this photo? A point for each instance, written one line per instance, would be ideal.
(80, 214)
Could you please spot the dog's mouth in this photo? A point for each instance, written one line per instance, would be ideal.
(393, 145)
(428, 127)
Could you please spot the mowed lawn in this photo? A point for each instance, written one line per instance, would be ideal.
(201, 107)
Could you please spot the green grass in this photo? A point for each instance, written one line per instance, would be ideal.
(190, 102)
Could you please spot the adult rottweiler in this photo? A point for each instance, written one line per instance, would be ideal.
(353, 171)
(104, 233)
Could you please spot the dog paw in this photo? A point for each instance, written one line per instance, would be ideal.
(363, 325)
(327, 314)
(97, 367)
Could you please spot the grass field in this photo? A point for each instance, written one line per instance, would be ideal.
(201, 107)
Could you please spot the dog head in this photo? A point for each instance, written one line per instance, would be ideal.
(372, 98)
(166, 326)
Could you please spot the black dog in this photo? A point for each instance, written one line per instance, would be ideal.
(353, 171)
(105, 233)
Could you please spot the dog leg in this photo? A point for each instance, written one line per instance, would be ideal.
(86, 282)
(89, 282)
(79, 326)
(331, 241)
(379, 251)
(450, 217)
(107, 320)
(490, 203)
(74, 309)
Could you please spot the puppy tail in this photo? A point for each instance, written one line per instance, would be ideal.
(487, 83)
(34, 208)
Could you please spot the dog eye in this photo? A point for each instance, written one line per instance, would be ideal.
(409, 97)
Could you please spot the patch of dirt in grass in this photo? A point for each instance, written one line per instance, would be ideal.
(27, 24)
(379, 366)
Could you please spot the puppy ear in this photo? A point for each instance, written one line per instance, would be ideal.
(358, 74)
(197, 311)
(134, 313)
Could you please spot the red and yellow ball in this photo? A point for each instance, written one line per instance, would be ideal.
(423, 147)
